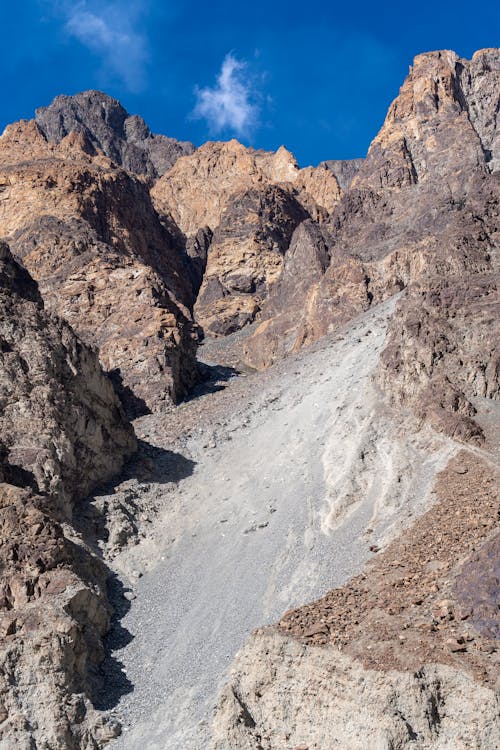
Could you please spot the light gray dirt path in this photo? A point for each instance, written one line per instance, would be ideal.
(285, 491)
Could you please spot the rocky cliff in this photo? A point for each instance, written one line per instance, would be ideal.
(251, 201)
(404, 654)
(62, 431)
(87, 231)
(421, 214)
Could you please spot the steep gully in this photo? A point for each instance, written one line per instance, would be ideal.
(269, 514)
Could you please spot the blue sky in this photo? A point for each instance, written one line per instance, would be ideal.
(314, 75)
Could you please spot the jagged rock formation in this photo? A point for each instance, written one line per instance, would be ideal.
(246, 257)
(108, 127)
(61, 422)
(136, 240)
(422, 214)
(198, 188)
(251, 201)
(53, 616)
(406, 656)
(88, 233)
(344, 170)
(62, 431)
(402, 655)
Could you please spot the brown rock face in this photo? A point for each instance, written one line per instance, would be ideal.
(61, 422)
(198, 188)
(53, 615)
(88, 233)
(252, 201)
(62, 431)
(422, 214)
(246, 257)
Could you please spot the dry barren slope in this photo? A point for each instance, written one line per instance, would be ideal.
(273, 514)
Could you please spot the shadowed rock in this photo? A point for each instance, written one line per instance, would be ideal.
(107, 126)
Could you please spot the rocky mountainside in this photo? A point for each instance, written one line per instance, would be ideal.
(87, 231)
(108, 127)
(420, 214)
(311, 358)
(411, 639)
(62, 432)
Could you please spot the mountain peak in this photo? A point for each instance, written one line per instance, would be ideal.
(124, 138)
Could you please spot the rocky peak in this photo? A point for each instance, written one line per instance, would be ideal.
(87, 232)
(198, 188)
(124, 138)
(446, 106)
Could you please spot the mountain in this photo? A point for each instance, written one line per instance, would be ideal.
(87, 231)
(107, 126)
(309, 358)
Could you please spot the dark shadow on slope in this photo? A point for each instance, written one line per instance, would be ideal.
(154, 464)
(149, 464)
(212, 379)
(114, 683)
(133, 405)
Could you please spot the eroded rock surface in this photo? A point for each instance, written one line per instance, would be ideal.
(60, 421)
(62, 431)
(107, 126)
(407, 659)
(87, 231)
(246, 257)
(421, 214)
(196, 191)
(251, 201)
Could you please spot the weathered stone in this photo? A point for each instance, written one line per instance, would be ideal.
(61, 424)
(106, 125)
(88, 233)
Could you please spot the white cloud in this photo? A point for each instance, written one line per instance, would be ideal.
(230, 105)
(109, 29)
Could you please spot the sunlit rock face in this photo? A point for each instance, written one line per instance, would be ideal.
(88, 232)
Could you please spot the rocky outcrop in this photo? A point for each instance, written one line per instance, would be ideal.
(246, 257)
(421, 214)
(53, 616)
(285, 696)
(62, 431)
(61, 422)
(197, 190)
(400, 657)
(88, 233)
(344, 170)
(251, 201)
(105, 125)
